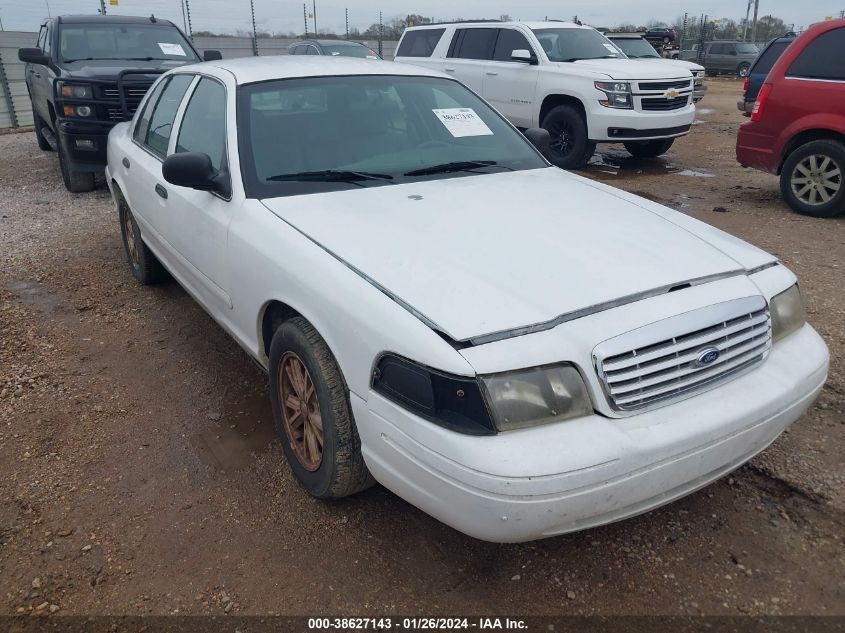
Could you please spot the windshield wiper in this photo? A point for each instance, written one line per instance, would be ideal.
(116, 59)
(330, 175)
(464, 165)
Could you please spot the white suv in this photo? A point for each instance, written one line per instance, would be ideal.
(567, 78)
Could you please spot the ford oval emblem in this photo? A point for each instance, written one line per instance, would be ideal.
(707, 356)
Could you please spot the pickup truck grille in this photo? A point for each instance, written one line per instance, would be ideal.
(661, 104)
(666, 370)
(133, 93)
(664, 85)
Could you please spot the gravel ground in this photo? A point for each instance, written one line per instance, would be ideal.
(139, 472)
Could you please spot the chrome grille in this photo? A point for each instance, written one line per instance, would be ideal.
(650, 374)
(131, 93)
(663, 85)
(661, 103)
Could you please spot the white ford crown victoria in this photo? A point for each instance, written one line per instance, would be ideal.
(516, 350)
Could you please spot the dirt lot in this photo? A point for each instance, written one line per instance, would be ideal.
(139, 472)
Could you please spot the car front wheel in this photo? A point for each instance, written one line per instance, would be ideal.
(811, 179)
(569, 147)
(312, 413)
(649, 149)
(38, 124)
(75, 181)
(144, 264)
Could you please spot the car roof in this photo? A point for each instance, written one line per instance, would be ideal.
(110, 19)
(253, 69)
(545, 24)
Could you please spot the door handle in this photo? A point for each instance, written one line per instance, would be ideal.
(492, 74)
(125, 162)
(161, 191)
(449, 70)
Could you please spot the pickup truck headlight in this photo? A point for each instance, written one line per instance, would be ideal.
(74, 91)
(488, 404)
(787, 312)
(618, 94)
(540, 395)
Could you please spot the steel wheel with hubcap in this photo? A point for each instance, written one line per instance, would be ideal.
(301, 411)
(144, 264)
(811, 179)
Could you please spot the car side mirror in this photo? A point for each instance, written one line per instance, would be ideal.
(33, 56)
(211, 55)
(195, 171)
(523, 55)
(539, 138)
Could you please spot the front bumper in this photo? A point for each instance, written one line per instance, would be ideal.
(79, 157)
(540, 482)
(637, 125)
(699, 91)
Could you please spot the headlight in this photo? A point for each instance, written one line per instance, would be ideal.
(540, 395)
(618, 94)
(74, 91)
(483, 406)
(787, 311)
(74, 110)
(699, 74)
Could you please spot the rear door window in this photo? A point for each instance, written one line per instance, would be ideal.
(769, 56)
(157, 135)
(419, 43)
(474, 44)
(822, 59)
(510, 40)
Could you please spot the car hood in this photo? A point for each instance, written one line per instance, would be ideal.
(103, 69)
(487, 254)
(628, 68)
(680, 63)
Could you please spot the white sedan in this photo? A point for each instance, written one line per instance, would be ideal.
(516, 350)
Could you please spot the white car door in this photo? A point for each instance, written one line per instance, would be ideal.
(142, 168)
(196, 223)
(470, 51)
(511, 86)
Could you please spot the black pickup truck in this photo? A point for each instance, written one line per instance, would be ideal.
(89, 72)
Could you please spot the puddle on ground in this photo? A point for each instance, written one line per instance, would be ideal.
(232, 437)
(622, 164)
(704, 110)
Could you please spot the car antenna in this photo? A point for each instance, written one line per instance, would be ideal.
(152, 18)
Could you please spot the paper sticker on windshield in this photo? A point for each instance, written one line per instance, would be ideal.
(171, 49)
(462, 122)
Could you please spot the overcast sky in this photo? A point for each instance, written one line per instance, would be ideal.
(286, 15)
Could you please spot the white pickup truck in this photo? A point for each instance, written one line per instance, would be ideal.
(566, 78)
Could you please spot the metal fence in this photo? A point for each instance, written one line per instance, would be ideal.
(15, 108)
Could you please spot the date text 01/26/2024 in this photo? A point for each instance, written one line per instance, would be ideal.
(415, 624)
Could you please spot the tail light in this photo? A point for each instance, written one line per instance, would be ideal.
(760, 104)
(745, 85)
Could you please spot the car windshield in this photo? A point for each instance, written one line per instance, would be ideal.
(746, 48)
(572, 44)
(318, 134)
(635, 48)
(349, 50)
(143, 42)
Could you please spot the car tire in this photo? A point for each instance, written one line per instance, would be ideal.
(742, 70)
(143, 263)
(569, 148)
(811, 172)
(666, 40)
(310, 399)
(43, 144)
(75, 181)
(649, 149)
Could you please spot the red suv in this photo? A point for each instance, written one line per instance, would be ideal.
(797, 126)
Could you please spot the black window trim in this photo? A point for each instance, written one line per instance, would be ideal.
(456, 45)
(510, 61)
(788, 73)
(180, 116)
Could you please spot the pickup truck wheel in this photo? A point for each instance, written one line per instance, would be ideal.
(144, 265)
(312, 413)
(811, 179)
(649, 149)
(569, 148)
(742, 70)
(39, 124)
(75, 181)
